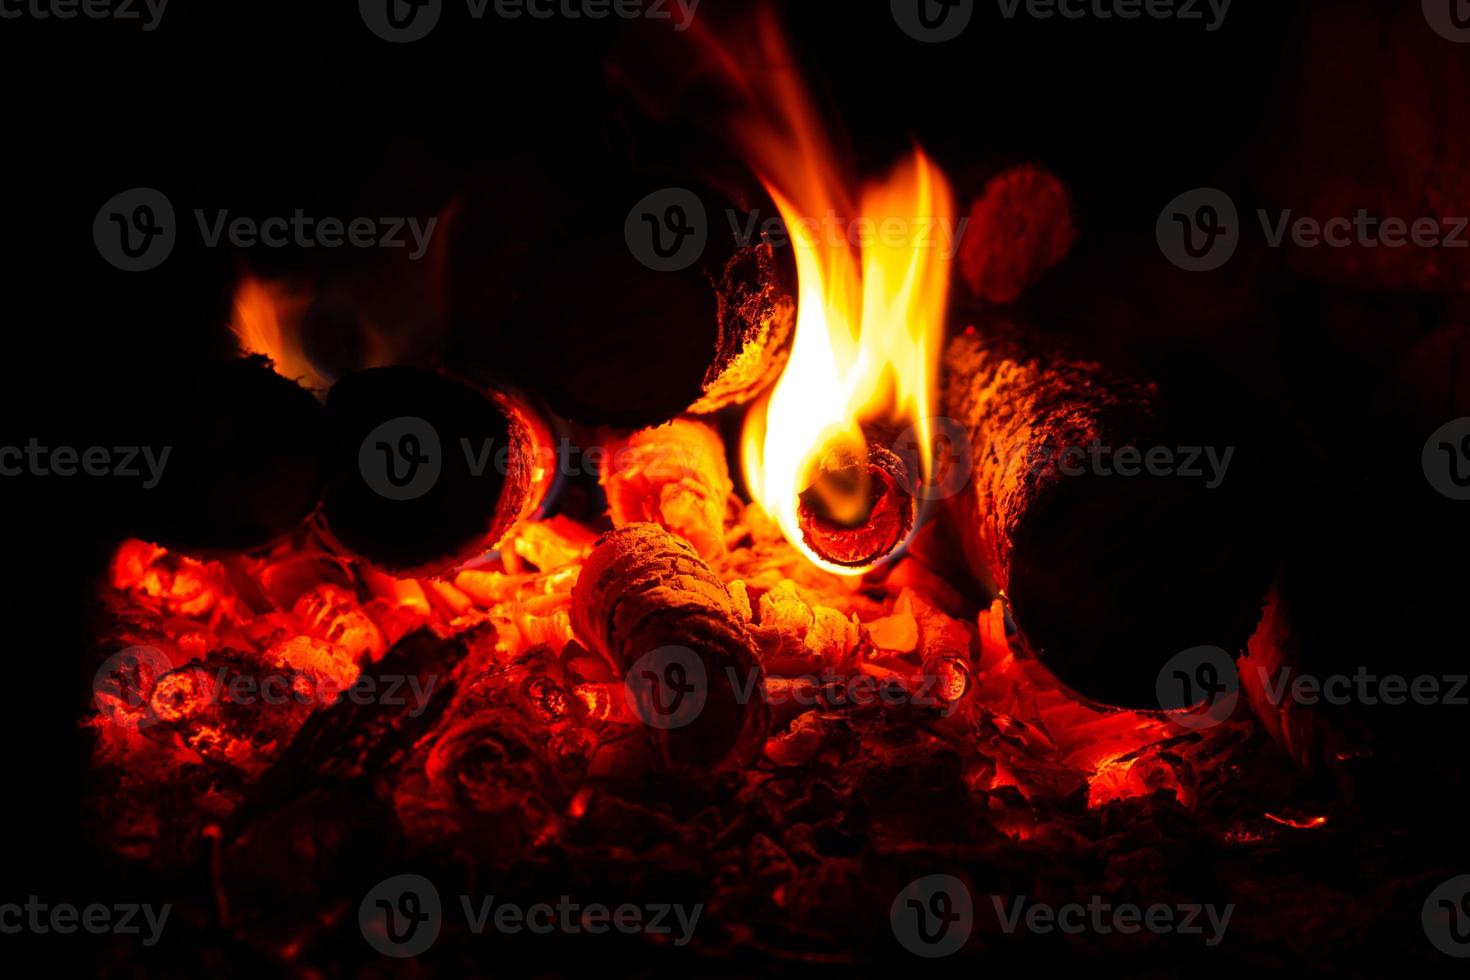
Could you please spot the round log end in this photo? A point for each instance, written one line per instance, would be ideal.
(857, 511)
(424, 471)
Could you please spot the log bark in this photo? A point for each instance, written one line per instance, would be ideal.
(648, 603)
(1108, 576)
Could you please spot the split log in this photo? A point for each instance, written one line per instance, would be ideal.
(1108, 576)
(651, 606)
(424, 471)
(544, 292)
(243, 468)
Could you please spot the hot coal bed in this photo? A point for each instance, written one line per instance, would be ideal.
(563, 601)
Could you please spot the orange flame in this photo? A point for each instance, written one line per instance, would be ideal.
(267, 321)
(872, 290)
(270, 317)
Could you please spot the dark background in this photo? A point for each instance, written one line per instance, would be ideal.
(265, 107)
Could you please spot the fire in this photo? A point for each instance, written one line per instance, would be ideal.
(267, 321)
(271, 318)
(873, 282)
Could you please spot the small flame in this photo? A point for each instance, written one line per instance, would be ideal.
(270, 318)
(267, 321)
(872, 281)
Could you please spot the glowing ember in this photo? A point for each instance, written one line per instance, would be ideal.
(1302, 823)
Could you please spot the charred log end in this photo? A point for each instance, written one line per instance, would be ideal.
(857, 511)
(245, 467)
(1020, 226)
(423, 471)
(1113, 576)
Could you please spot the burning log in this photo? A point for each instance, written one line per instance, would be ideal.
(425, 471)
(674, 475)
(1019, 226)
(244, 467)
(1108, 575)
(651, 606)
(858, 509)
(570, 312)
